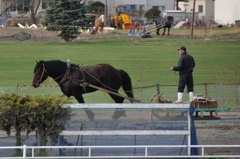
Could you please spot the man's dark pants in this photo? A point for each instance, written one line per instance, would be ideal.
(185, 79)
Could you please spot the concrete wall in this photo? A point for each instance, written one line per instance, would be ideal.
(210, 9)
(180, 15)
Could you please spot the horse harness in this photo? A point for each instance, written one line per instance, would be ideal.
(67, 76)
(165, 22)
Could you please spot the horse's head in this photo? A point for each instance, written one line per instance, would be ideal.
(170, 19)
(40, 74)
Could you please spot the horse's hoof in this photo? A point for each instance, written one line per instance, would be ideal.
(123, 113)
(118, 114)
(90, 119)
(114, 118)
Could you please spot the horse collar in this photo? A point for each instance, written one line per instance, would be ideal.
(66, 75)
(82, 69)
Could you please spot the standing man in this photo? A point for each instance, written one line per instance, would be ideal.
(185, 67)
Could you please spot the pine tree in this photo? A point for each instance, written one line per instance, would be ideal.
(66, 16)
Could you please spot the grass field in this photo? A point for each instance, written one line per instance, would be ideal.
(146, 60)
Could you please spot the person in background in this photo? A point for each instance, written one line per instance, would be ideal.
(90, 27)
(135, 27)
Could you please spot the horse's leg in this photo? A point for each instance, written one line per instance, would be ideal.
(157, 31)
(96, 29)
(118, 112)
(169, 30)
(164, 29)
(89, 113)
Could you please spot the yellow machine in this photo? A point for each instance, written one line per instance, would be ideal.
(121, 19)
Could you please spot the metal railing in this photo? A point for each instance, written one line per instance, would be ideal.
(146, 147)
(90, 148)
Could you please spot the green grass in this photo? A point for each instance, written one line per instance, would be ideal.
(146, 60)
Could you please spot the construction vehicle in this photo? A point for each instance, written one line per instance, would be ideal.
(121, 19)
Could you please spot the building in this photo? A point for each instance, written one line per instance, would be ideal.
(205, 8)
(180, 15)
(4, 4)
(17, 6)
(227, 11)
(138, 4)
(222, 11)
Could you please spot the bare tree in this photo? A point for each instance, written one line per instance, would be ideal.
(33, 6)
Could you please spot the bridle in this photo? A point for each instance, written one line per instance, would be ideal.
(44, 70)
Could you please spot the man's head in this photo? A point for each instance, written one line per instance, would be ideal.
(182, 49)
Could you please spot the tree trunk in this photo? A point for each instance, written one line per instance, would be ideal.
(33, 5)
(18, 140)
(34, 20)
(42, 139)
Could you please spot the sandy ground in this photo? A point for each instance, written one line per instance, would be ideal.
(224, 131)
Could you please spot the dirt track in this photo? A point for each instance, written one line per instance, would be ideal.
(6, 34)
(220, 132)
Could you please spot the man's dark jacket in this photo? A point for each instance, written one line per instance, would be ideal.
(186, 64)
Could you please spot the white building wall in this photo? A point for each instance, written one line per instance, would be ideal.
(227, 11)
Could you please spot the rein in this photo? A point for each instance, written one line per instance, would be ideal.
(82, 69)
(111, 92)
(159, 78)
(100, 81)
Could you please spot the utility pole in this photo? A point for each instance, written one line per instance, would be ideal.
(193, 15)
(105, 15)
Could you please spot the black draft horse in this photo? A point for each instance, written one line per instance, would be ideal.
(71, 79)
(164, 23)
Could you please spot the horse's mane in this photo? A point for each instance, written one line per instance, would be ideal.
(53, 66)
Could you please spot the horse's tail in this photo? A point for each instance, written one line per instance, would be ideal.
(127, 84)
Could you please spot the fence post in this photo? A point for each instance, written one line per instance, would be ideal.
(237, 96)
(205, 87)
(24, 151)
(17, 89)
(158, 88)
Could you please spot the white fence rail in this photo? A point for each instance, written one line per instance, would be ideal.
(146, 147)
